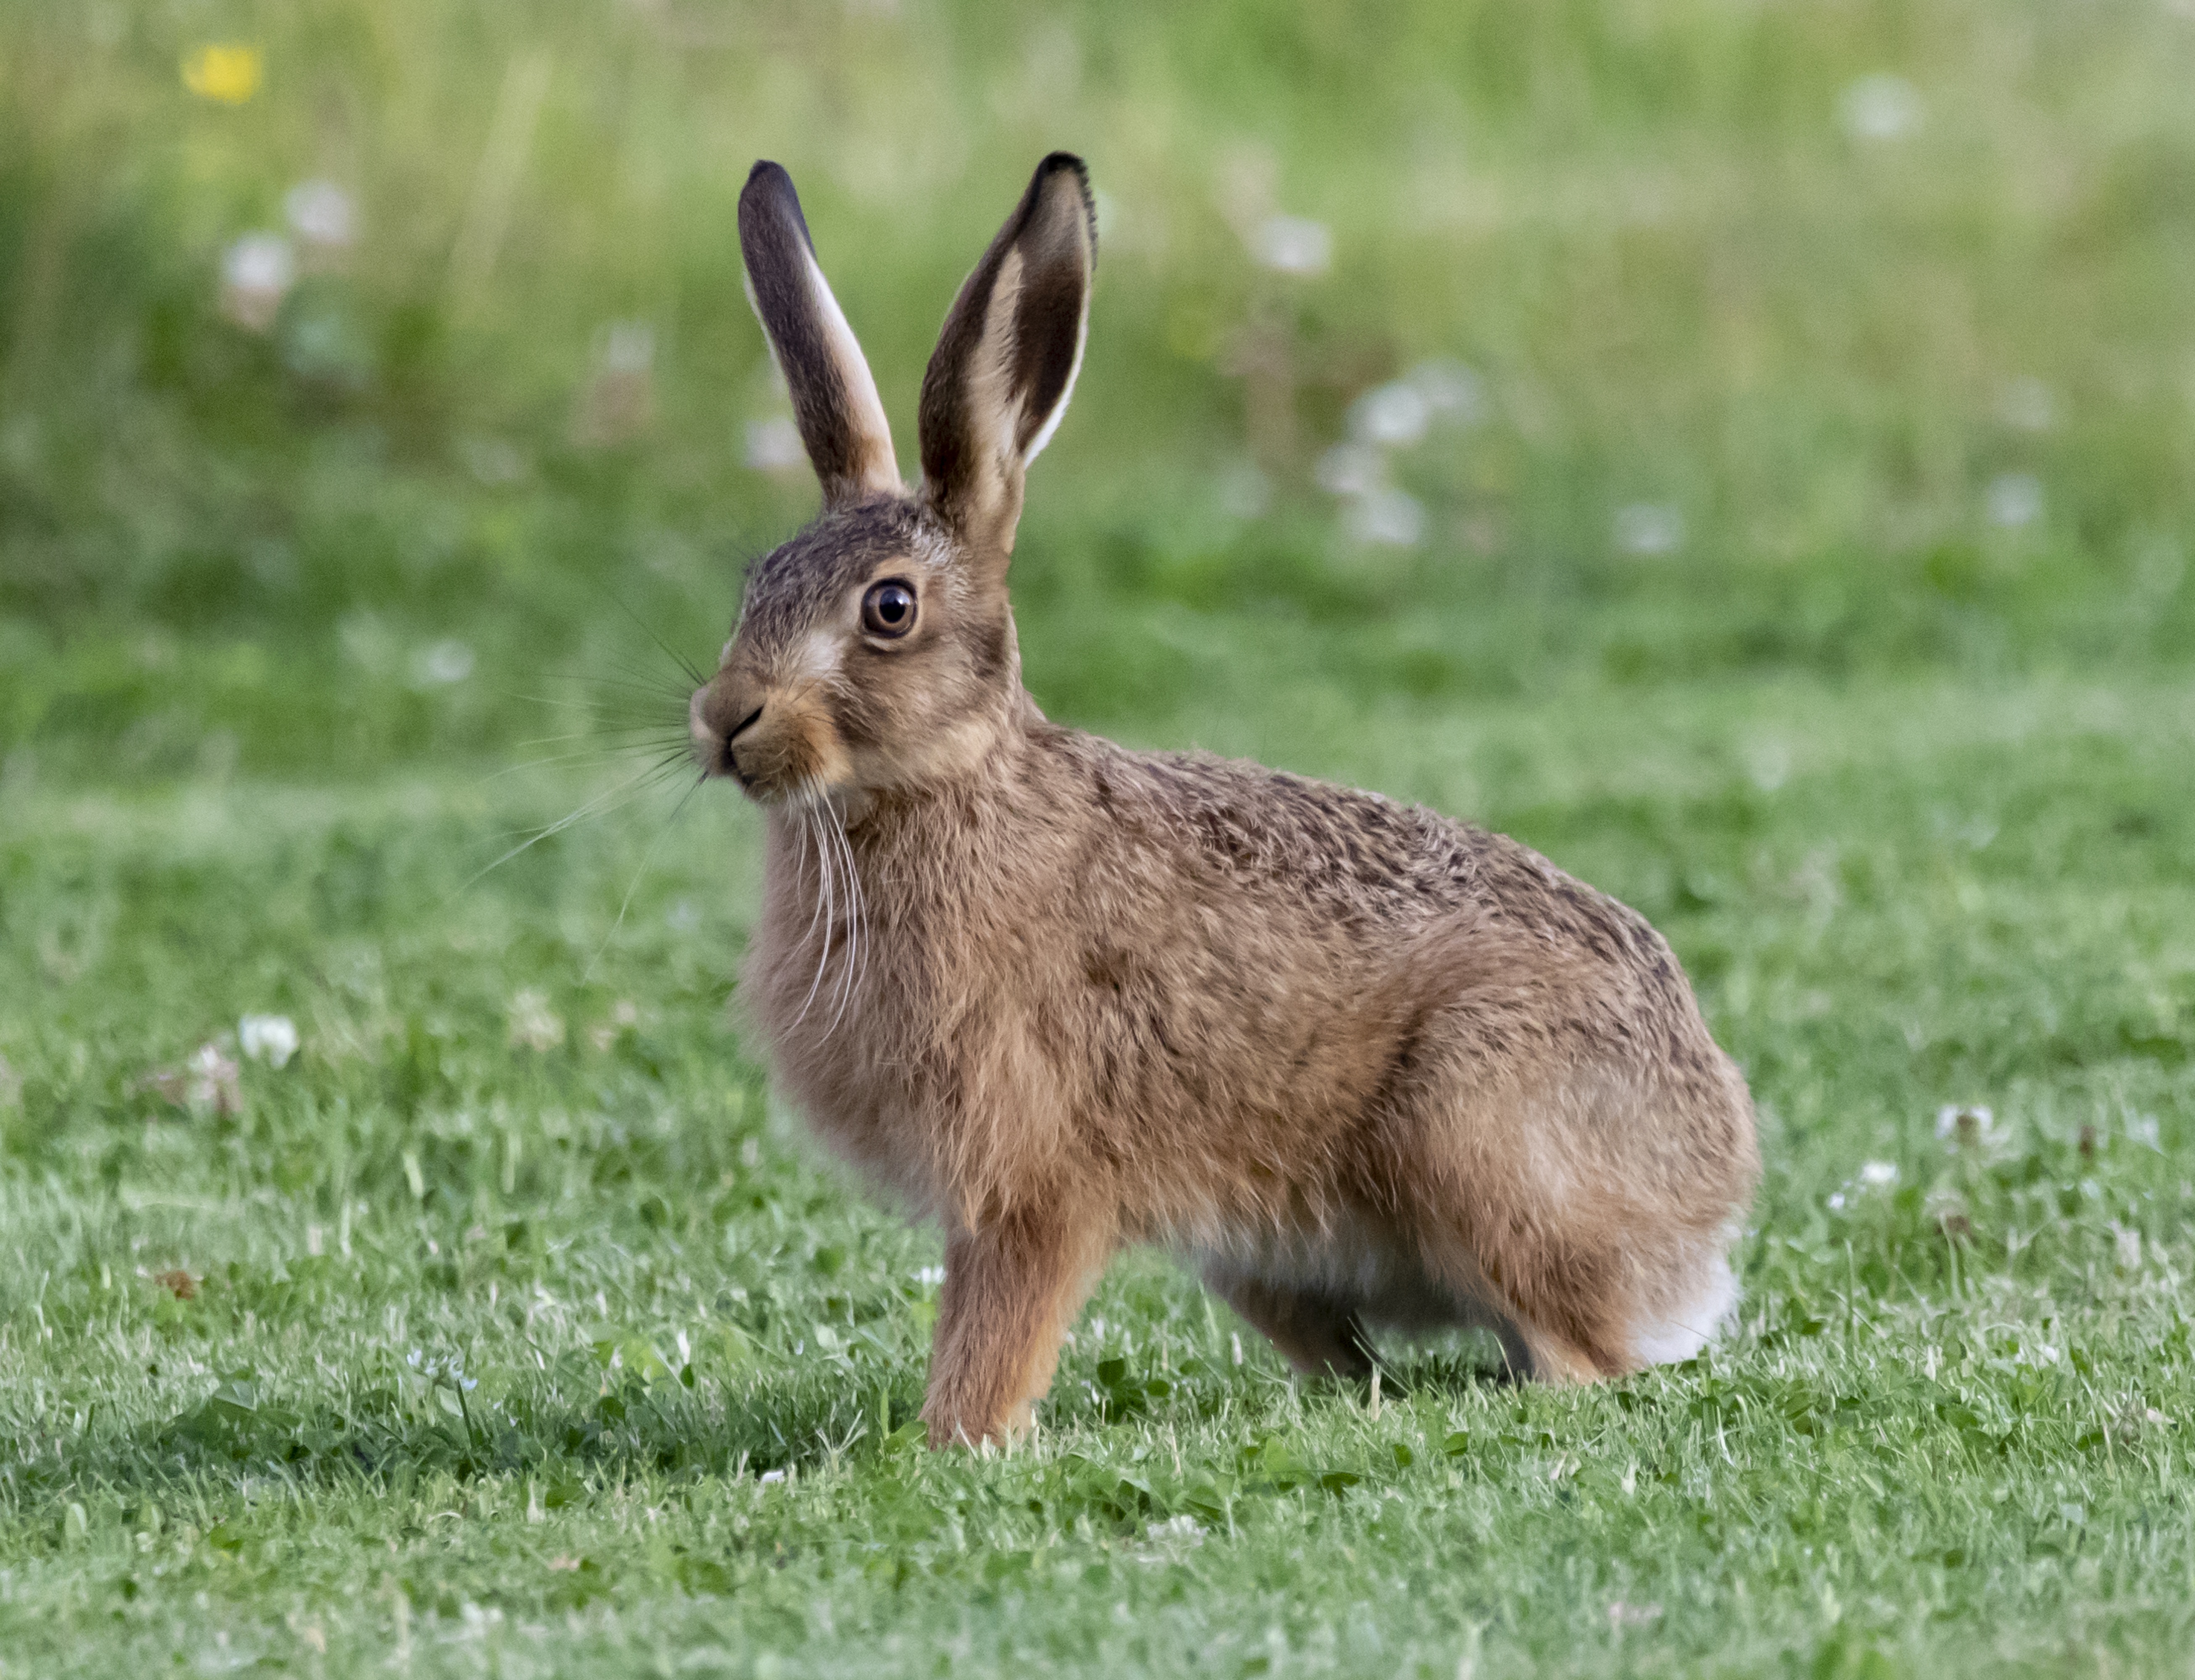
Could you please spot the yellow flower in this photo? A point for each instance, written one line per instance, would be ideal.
(228, 73)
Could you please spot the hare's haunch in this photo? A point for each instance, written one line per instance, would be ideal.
(1364, 1067)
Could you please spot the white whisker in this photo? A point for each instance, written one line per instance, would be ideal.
(856, 907)
(647, 858)
(798, 808)
(826, 906)
(599, 802)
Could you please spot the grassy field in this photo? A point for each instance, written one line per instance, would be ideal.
(1800, 556)
(520, 1338)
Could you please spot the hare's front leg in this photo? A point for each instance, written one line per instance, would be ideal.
(1012, 1284)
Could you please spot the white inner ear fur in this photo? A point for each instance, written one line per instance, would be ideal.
(1074, 371)
(864, 407)
(994, 404)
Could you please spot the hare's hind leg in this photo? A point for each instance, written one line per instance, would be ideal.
(1595, 1278)
(1449, 1290)
(1318, 1335)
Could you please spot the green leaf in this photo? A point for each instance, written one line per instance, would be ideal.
(911, 1436)
(703, 1577)
(238, 1392)
(1209, 1496)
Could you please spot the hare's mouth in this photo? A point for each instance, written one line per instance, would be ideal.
(727, 753)
(715, 730)
(779, 747)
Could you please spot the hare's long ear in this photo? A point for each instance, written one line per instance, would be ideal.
(999, 381)
(834, 399)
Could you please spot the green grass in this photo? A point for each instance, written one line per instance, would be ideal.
(502, 1299)
(1921, 1453)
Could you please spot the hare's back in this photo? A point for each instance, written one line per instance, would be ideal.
(1427, 903)
(1361, 856)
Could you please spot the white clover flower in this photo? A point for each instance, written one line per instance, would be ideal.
(1170, 1541)
(257, 273)
(1388, 518)
(1881, 107)
(2127, 1243)
(629, 347)
(1451, 390)
(2013, 499)
(1350, 469)
(533, 1023)
(774, 446)
(1964, 1123)
(321, 214)
(1878, 1175)
(270, 1039)
(1767, 762)
(1292, 245)
(1649, 528)
(928, 1276)
(207, 1079)
(1244, 489)
(2027, 405)
(440, 664)
(1395, 415)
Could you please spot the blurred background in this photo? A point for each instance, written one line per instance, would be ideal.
(370, 364)
(1739, 447)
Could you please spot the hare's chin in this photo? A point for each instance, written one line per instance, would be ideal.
(807, 794)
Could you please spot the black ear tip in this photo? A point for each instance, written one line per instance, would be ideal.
(1066, 163)
(768, 185)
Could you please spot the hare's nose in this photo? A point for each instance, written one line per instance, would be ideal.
(718, 715)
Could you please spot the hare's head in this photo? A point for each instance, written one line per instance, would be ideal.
(875, 650)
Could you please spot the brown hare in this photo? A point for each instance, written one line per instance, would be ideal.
(1361, 1065)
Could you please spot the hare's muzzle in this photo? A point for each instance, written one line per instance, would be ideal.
(720, 713)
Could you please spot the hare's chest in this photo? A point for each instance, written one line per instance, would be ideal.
(868, 1067)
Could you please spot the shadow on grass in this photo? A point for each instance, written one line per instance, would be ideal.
(1469, 1362)
(663, 1428)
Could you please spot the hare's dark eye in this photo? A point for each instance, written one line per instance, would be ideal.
(888, 609)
